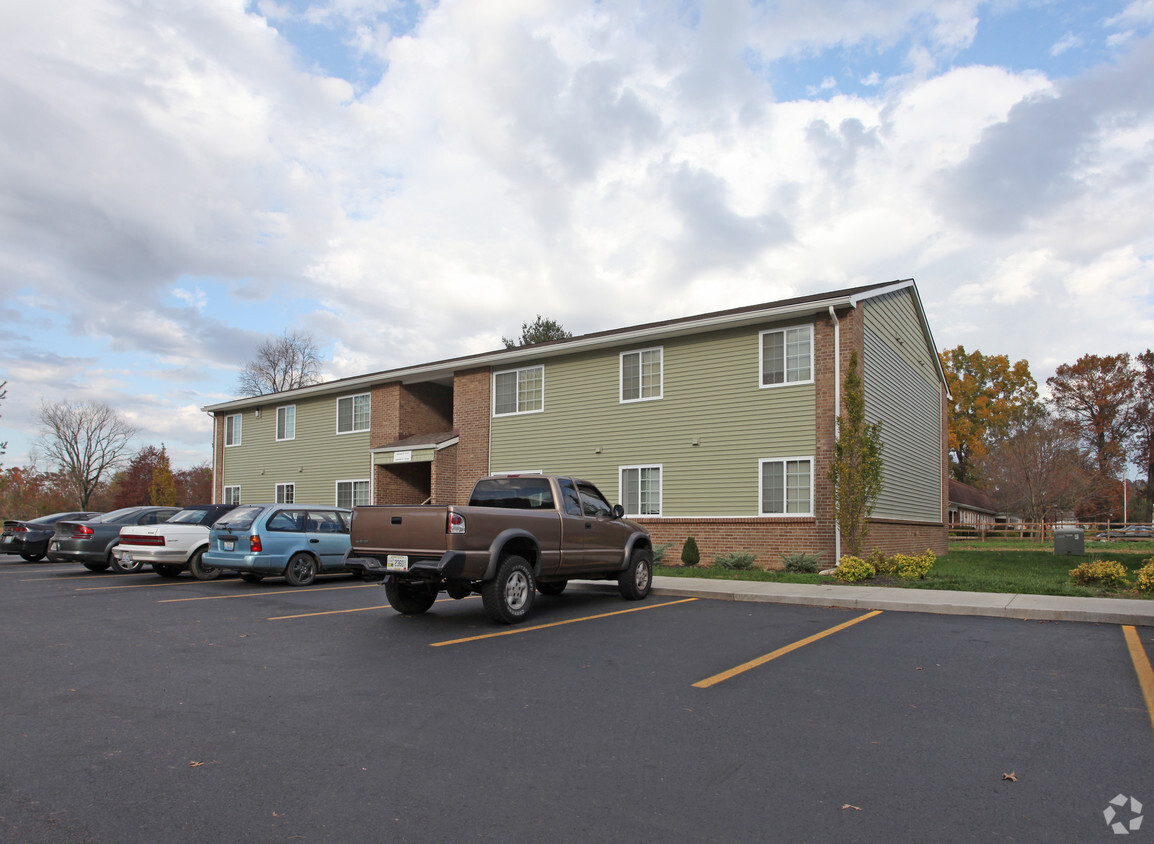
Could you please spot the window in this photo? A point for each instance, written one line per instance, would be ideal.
(641, 375)
(519, 391)
(353, 414)
(287, 521)
(641, 490)
(286, 493)
(514, 493)
(352, 494)
(232, 429)
(593, 502)
(787, 487)
(232, 495)
(286, 422)
(787, 356)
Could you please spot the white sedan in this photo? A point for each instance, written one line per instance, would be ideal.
(174, 546)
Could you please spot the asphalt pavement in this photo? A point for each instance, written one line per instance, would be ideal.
(995, 604)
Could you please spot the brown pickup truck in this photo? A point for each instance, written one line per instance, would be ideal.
(518, 535)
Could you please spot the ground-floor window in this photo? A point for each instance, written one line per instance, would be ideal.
(232, 495)
(286, 493)
(641, 490)
(352, 493)
(787, 487)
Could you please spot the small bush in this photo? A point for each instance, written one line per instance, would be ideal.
(853, 569)
(914, 568)
(1107, 573)
(883, 565)
(801, 561)
(737, 560)
(1145, 581)
(659, 552)
(689, 553)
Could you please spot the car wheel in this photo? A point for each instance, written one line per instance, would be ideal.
(96, 566)
(301, 569)
(509, 595)
(166, 570)
(124, 568)
(553, 587)
(32, 558)
(637, 579)
(252, 578)
(201, 571)
(409, 598)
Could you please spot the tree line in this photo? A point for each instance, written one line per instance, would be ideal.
(1067, 454)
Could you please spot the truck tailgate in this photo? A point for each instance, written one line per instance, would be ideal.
(415, 530)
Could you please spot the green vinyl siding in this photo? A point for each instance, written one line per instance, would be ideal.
(314, 460)
(711, 395)
(903, 393)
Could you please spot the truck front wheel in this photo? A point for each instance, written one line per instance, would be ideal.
(509, 595)
(409, 598)
(635, 582)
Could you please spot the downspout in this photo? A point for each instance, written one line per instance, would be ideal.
(836, 416)
(214, 487)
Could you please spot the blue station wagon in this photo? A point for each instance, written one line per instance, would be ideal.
(293, 541)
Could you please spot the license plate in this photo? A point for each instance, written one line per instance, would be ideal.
(396, 562)
(4, 537)
(228, 545)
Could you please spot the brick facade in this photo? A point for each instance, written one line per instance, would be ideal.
(471, 412)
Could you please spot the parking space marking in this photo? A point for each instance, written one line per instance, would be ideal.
(762, 660)
(515, 630)
(294, 591)
(136, 585)
(1141, 667)
(357, 609)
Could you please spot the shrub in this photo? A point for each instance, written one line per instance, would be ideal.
(883, 565)
(853, 569)
(737, 560)
(1145, 581)
(689, 553)
(659, 552)
(801, 561)
(914, 568)
(1107, 573)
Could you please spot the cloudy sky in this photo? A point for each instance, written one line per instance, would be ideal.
(410, 181)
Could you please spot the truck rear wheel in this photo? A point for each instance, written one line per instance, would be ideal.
(637, 579)
(409, 598)
(509, 595)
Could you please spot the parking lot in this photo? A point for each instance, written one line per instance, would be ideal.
(143, 709)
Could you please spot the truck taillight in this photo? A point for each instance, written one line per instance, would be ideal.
(254, 544)
(456, 523)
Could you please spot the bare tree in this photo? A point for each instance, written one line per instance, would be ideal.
(86, 440)
(282, 363)
(3, 395)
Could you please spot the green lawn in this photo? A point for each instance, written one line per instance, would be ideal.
(974, 568)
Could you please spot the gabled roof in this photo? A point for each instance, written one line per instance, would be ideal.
(971, 498)
(443, 370)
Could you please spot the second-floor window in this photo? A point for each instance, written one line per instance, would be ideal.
(519, 391)
(286, 422)
(787, 356)
(641, 375)
(353, 414)
(232, 427)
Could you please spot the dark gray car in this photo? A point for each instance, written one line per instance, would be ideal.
(91, 542)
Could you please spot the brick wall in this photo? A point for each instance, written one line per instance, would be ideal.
(218, 458)
(384, 414)
(471, 419)
(444, 479)
(402, 483)
(424, 409)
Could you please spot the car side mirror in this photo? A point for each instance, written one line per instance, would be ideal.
(618, 511)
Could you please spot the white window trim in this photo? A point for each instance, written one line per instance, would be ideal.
(352, 491)
(761, 357)
(761, 488)
(226, 489)
(493, 391)
(621, 470)
(277, 493)
(276, 433)
(621, 375)
(238, 424)
(353, 415)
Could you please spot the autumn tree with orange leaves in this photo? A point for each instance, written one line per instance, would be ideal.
(989, 398)
(1091, 397)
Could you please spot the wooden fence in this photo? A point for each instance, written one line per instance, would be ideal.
(1043, 533)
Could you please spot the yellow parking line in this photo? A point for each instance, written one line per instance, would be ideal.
(1142, 667)
(158, 582)
(762, 660)
(295, 591)
(515, 630)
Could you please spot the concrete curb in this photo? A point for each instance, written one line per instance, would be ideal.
(997, 605)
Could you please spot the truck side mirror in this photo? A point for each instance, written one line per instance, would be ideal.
(618, 511)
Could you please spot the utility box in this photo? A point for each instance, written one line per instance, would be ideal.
(1070, 541)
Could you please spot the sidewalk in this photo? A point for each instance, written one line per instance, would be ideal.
(1039, 607)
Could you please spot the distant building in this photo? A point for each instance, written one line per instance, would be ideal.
(720, 425)
(971, 506)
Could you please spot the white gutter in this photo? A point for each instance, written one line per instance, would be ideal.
(836, 416)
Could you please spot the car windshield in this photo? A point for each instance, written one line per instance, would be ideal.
(239, 519)
(117, 516)
(190, 517)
